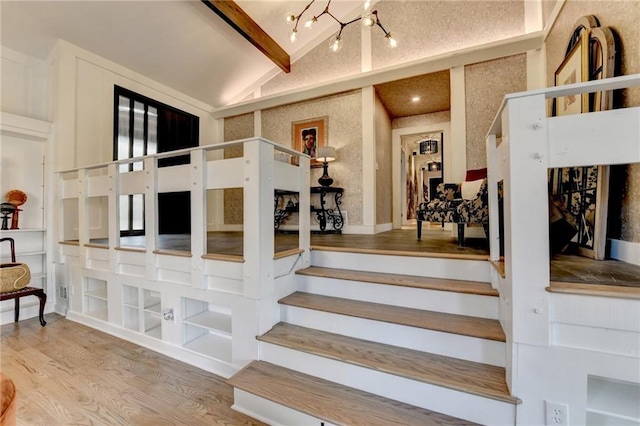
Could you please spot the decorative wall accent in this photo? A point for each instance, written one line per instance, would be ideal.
(590, 55)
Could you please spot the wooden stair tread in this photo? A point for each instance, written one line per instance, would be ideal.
(331, 402)
(482, 328)
(442, 284)
(466, 376)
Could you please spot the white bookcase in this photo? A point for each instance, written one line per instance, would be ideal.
(207, 329)
(23, 149)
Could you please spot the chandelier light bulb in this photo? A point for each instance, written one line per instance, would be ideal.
(290, 18)
(293, 36)
(393, 41)
(366, 4)
(310, 22)
(368, 20)
(335, 43)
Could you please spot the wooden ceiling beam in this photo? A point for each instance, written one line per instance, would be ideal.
(233, 15)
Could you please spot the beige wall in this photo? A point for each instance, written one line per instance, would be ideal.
(622, 17)
(344, 123)
(486, 83)
(383, 164)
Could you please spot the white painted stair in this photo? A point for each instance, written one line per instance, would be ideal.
(432, 343)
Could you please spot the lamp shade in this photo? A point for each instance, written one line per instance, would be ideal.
(326, 154)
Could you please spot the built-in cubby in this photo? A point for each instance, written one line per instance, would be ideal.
(95, 298)
(612, 402)
(207, 329)
(130, 308)
(152, 314)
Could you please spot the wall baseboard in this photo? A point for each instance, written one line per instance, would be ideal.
(384, 227)
(625, 251)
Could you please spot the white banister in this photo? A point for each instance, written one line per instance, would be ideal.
(523, 143)
(243, 287)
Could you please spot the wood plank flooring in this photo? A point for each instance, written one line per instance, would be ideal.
(441, 284)
(466, 376)
(330, 401)
(436, 242)
(449, 323)
(66, 373)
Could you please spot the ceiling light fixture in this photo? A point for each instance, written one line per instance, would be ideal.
(415, 99)
(369, 20)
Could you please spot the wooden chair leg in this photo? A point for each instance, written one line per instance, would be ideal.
(419, 227)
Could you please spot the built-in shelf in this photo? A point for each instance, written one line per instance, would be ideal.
(131, 307)
(211, 345)
(207, 329)
(152, 313)
(10, 231)
(213, 321)
(95, 297)
(612, 402)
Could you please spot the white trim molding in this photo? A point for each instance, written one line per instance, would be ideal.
(625, 251)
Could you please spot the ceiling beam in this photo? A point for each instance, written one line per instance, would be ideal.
(233, 15)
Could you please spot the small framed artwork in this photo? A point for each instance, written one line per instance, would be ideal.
(308, 136)
(574, 69)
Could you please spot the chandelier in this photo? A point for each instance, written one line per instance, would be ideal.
(368, 19)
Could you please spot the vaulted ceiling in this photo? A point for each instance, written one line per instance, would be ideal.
(183, 44)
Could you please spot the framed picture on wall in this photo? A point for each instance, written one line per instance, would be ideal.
(574, 69)
(308, 136)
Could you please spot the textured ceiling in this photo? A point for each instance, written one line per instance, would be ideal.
(185, 46)
(433, 90)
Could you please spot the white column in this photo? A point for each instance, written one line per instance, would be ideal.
(368, 160)
(458, 146)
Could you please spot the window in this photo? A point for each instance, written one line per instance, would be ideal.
(143, 126)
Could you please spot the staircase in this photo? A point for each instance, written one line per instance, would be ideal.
(367, 341)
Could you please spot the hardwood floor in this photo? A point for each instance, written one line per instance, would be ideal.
(66, 373)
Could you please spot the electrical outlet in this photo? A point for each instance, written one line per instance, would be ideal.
(556, 414)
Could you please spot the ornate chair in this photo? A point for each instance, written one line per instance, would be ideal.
(461, 203)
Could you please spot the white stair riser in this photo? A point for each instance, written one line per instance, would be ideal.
(408, 297)
(456, 269)
(270, 412)
(453, 345)
(443, 400)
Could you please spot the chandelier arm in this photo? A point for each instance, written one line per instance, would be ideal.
(386, 33)
(303, 11)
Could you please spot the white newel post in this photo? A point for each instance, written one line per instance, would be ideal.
(492, 185)
(258, 231)
(304, 199)
(83, 216)
(526, 221)
(198, 217)
(150, 216)
(113, 207)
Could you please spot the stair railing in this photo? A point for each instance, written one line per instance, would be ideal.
(523, 143)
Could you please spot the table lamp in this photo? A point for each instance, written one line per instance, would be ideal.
(326, 154)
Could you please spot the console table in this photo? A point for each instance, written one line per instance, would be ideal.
(286, 202)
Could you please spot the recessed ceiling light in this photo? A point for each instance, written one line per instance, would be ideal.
(415, 99)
